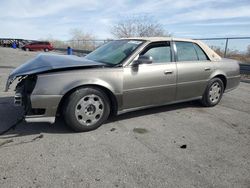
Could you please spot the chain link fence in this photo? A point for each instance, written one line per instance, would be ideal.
(235, 47)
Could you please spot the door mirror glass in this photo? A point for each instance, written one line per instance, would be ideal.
(143, 59)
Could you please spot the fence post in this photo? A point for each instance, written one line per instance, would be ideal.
(225, 52)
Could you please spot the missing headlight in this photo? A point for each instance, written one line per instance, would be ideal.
(23, 90)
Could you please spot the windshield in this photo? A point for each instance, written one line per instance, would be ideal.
(114, 52)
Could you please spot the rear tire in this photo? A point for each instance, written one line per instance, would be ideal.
(213, 93)
(86, 109)
(46, 49)
(27, 49)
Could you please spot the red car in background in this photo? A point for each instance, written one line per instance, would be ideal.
(35, 46)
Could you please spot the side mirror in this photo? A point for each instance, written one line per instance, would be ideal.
(143, 59)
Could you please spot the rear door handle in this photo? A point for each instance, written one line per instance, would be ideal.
(207, 69)
(168, 72)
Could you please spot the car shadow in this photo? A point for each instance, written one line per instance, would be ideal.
(9, 114)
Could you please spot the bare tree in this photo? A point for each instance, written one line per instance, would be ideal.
(139, 26)
(81, 40)
(78, 34)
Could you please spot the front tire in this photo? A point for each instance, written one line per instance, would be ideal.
(86, 109)
(213, 93)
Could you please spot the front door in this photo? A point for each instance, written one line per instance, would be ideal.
(151, 84)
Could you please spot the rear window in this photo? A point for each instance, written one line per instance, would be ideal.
(186, 51)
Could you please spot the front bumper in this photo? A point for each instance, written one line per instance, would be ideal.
(37, 108)
(34, 119)
(43, 108)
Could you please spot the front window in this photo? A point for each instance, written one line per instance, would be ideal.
(159, 52)
(114, 52)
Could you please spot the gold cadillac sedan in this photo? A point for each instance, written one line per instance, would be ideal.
(120, 76)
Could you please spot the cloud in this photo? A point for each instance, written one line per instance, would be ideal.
(224, 23)
(34, 8)
(210, 14)
(37, 19)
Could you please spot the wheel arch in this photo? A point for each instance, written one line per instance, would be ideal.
(223, 79)
(221, 75)
(108, 92)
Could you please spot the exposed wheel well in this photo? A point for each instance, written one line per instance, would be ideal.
(223, 79)
(111, 96)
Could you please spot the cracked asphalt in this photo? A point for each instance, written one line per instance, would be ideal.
(182, 145)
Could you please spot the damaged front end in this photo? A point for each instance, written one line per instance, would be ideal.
(41, 105)
(23, 97)
(23, 91)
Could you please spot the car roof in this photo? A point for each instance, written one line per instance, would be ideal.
(155, 39)
(38, 42)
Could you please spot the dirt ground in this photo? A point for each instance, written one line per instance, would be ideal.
(182, 145)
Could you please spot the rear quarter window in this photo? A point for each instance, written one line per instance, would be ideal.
(201, 54)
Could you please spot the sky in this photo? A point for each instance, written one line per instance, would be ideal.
(36, 19)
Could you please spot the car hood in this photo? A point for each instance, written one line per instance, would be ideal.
(49, 62)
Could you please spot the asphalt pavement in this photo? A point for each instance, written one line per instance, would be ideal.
(182, 145)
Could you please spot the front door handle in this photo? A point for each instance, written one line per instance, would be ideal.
(168, 72)
(207, 69)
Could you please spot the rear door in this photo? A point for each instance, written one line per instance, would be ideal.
(151, 84)
(194, 69)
